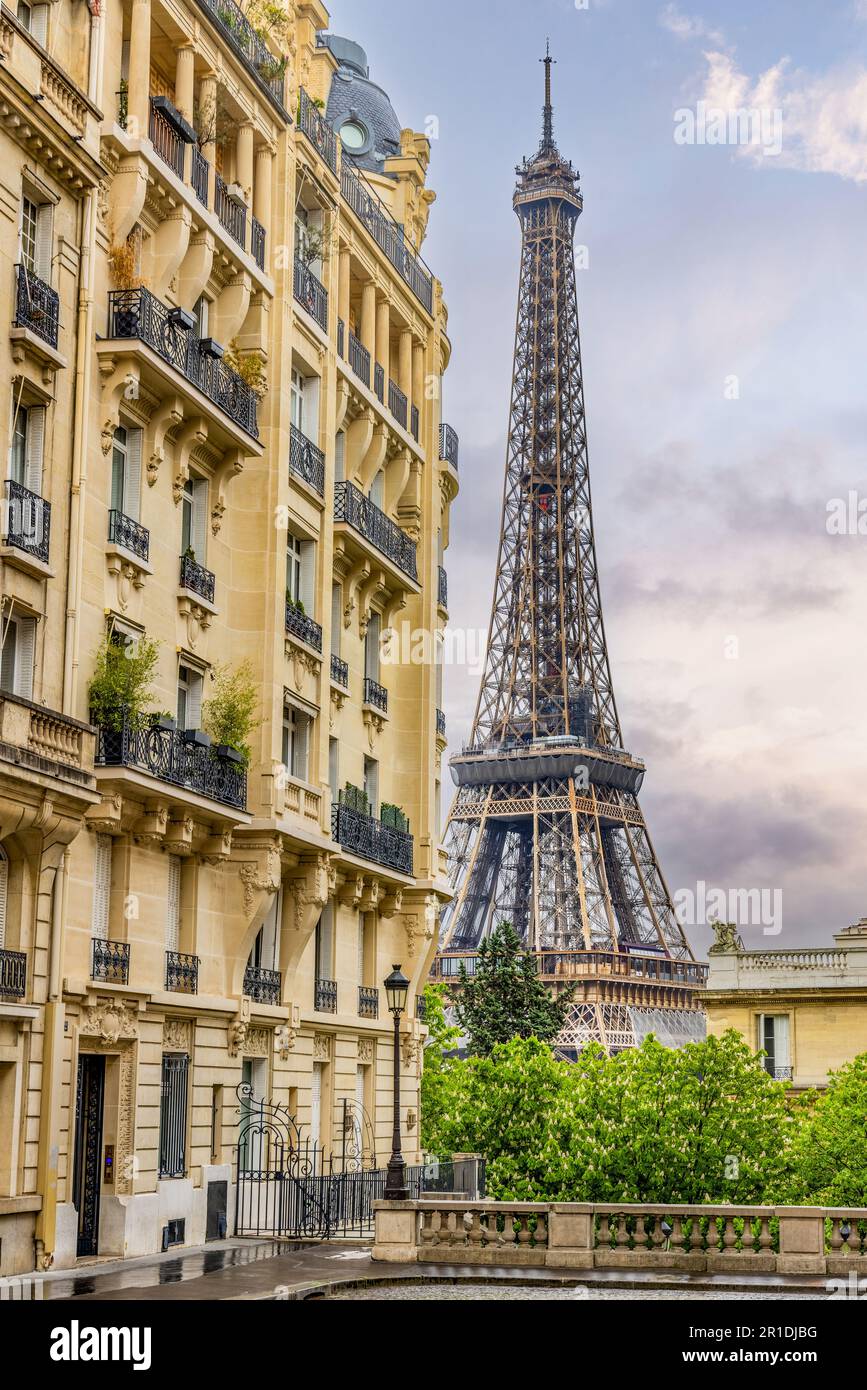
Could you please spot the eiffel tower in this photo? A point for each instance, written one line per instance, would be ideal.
(545, 830)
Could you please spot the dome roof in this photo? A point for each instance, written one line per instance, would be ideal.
(373, 130)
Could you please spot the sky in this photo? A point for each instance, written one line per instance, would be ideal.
(723, 306)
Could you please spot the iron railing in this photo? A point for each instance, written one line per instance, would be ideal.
(13, 974)
(779, 1073)
(37, 305)
(379, 380)
(442, 587)
(351, 506)
(310, 293)
(414, 422)
(375, 694)
(257, 242)
(368, 1001)
(364, 835)
(28, 521)
(166, 141)
(197, 579)
(110, 961)
(199, 175)
(306, 460)
(261, 985)
(449, 445)
(339, 670)
(397, 403)
(320, 134)
(169, 756)
(300, 625)
(387, 234)
(268, 71)
(134, 537)
(231, 214)
(420, 1007)
(139, 314)
(359, 358)
(341, 334)
(182, 972)
(174, 1083)
(441, 723)
(122, 106)
(561, 966)
(325, 996)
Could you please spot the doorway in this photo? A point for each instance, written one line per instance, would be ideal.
(87, 1172)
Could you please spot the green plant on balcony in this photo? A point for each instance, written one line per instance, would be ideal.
(295, 603)
(271, 68)
(249, 367)
(120, 687)
(394, 816)
(355, 798)
(123, 263)
(229, 716)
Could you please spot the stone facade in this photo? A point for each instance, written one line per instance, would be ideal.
(177, 221)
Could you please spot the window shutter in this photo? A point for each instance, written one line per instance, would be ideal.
(336, 617)
(308, 567)
(132, 482)
(200, 512)
(173, 904)
(7, 665)
(4, 888)
(101, 887)
(26, 642)
(44, 219)
(194, 701)
(35, 449)
(361, 948)
(339, 457)
(371, 648)
(39, 24)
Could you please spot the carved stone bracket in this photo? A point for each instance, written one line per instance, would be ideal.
(109, 1020)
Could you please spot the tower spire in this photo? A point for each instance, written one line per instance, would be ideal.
(548, 112)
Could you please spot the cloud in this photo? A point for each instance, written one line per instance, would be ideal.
(688, 27)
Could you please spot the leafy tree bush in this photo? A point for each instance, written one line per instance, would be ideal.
(829, 1154)
(121, 683)
(505, 998)
(441, 1041)
(229, 716)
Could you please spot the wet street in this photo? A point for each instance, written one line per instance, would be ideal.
(583, 1293)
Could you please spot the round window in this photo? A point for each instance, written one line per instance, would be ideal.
(353, 135)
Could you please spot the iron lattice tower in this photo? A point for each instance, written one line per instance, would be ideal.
(545, 829)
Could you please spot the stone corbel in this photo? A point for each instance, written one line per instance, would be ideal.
(119, 383)
(338, 700)
(179, 836)
(192, 436)
(286, 1034)
(420, 926)
(106, 817)
(128, 577)
(374, 722)
(391, 903)
(231, 464)
(198, 618)
(350, 891)
(397, 477)
(216, 848)
(373, 459)
(310, 889)
(394, 605)
(370, 896)
(150, 828)
(260, 876)
(238, 1028)
(374, 590)
(343, 398)
(166, 422)
(408, 509)
(359, 436)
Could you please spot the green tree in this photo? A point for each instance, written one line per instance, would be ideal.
(505, 998)
(442, 1039)
(229, 716)
(829, 1154)
(121, 683)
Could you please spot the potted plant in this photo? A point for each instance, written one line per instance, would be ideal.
(229, 716)
(161, 719)
(119, 692)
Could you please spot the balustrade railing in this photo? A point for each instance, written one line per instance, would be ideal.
(359, 358)
(325, 996)
(168, 755)
(302, 626)
(388, 234)
(375, 694)
(306, 460)
(37, 305)
(449, 445)
(397, 403)
(268, 70)
(231, 214)
(341, 336)
(557, 965)
(197, 579)
(166, 141)
(182, 972)
(110, 961)
(13, 974)
(123, 530)
(199, 175)
(257, 242)
(261, 985)
(364, 835)
(28, 521)
(368, 1002)
(310, 293)
(321, 135)
(379, 381)
(352, 507)
(441, 723)
(414, 422)
(339, 670)
(442, 587)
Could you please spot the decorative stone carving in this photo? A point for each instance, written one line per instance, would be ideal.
(285, 1038)
(109, 1020)
(256, 882)
(350, 891)
(105, 818)
(178, 1035)
(150, 828)
(391, 903)
(312, 891)
(726, 938)
(366, 1049)
(410, 1048)
(257, 1042)
(420, 926)
(321, 1047)
(216, 848)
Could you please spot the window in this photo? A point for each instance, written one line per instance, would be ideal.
(316, 1103)
(377, 490)
(173, 904)
(334, 768)
(190, 683)
(296, 400)
(202, 312)
(16, 666)
(265, 954)
(339, 457)
(336, 617)
(371, 784)
(324, 944)
(355, 136)
(34, 18)
(126, 471)
(300, 572)
(293, 568)
(4, 890)
(296, 741)
(372, 647)
(101, 887)
(194, 509)
(173, 1115)
(27, 450)
(774, 1040)
(35, 235)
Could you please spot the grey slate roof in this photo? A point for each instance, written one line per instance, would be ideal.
(354, 97)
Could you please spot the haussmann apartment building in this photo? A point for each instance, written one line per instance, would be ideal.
(227, 476)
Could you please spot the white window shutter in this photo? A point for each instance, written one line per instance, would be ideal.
(339, 457)
(35, 448)
(101, 887)
(308, 576)
(194, 702)
(132, 480)
(200, 516)
(173, 904)
(4, 888)
(361, 948)
(44, 221)
(39, 24)
(26, 645)
(7, 664)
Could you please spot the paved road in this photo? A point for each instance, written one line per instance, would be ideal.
(583, 1293)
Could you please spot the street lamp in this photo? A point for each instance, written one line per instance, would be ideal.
(396, 989)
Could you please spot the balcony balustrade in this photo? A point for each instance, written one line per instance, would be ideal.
(182, 973)
(139, 314)
(110, 962)
(351, 506)
(339, 671)
(37, 305)
(359, 358)
(300, 625)
(397, 403)
(257, 242)
(420, 1007)
(306, 460)
(13, 974)
(341, 337)
(310, 293)
(441, 723)
(166, 138)
(321, 135)
(325, 996)
(268, 71)
(199, 175)
(261, 985)
(231, 214)
(28, 521)
(388, 234)
(197, 579)
(442, 587)
(169, 756)
(449, 445)
(414, 422)
(368, 1001)
(364, 835)
(134, 537)
(375, 694)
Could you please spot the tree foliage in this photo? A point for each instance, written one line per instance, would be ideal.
(442, 1039)
(229, 716)
(120, 686)
(829, 1158)
(505, 998)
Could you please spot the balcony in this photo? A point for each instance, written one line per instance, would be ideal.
(420, 1007)
(339, 671)
(449, 445)
(777, 1071)
(397, 403)
(299, 625)
(320, 134)
(37, 306)
(261, 985)
(352, 507)
(562, 966)
(364, 835)
(139, 314)
(368, 1002)
(110, 961)
(311, 294)
(134, 537)
(197, 579)
(325, 996)
(199, 174)
(375, 694)
(182, 973)
(268, 71)
(47, 743)
(169, 133)
(306, 461)
(441, 723)
(28, 521)
(169, 756)
(13, 974)
(387, 234)
(359, 358)
(231, 214)
(257, 242)
(442, 588)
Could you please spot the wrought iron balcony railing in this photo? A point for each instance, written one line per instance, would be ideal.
(339, 671)
(257, 242)
(261, 985)
(397, 403)
(139, 314)
(169, 756)
(420, 1007)
(37, 305)
(441, 723)
(197, 579)
(351, 506)
(13, 974)
(165, 139)
(300, 625)
(387, 234)
(359, 358)
(231, 214)
(310, 293)
(375, 694)
(379, 380)
(778, 1072)
(325, 996)
(306, 460)
(442, 587)
(182, 973)
(28, 521)
(268, 71)
(199, 175)
(122, 106)
(364, 835)
(368, 1001)
(110, 961)
(134, 537)
(449, 445)
(320, 134)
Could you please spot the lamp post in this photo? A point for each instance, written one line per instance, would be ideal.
(396, 988)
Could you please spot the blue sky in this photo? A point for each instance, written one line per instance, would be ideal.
(736, 623)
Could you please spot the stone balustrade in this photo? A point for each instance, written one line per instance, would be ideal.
(576, 1235)
(46, 734)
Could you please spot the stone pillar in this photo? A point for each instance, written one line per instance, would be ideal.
(570, 1235)
(383, 349)
(138, 95)
(185, 71)
(404, 379)
(418, 382)
(208, 119)
(262, 192)
(396, 1232)
(368, 316)
(343, 288)
(244, 159)
(802, 1240)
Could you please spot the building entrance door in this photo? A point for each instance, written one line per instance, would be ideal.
(87, 1172)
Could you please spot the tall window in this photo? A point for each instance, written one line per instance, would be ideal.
(296, 742)
(371, 784)
(293, 568)
(324, 944)
(34, 18)
(340, 457)
(334, 767)
(173, 904)
(4, 891)
(27, 450)
(173, 1115)
(190, 683)
(372, 647)
(101, 887)
(336, 617)
(377, 490)
(296, 400)
(126, 471)
(35, 232)
(774, 1040)
(19, 645)
(202, 311)
(194, 508)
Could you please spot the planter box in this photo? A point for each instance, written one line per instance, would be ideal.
(178, 123)
(182, 318)
(209, 347)
(225, 750)
(163, 721)
(197, 737)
